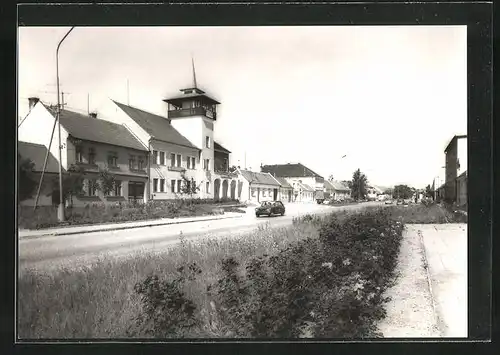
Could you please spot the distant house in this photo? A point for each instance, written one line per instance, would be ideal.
(455, 166)
(336, 190)
(257, 187)
(306, 192)
(93, 145)
(285, 191)
(300, 177)
(36, 153)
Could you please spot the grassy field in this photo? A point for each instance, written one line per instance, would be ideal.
(100, 301)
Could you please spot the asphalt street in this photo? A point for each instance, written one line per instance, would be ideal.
(48, 252)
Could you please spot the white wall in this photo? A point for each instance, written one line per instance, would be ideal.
(462, 155)
(37, 128)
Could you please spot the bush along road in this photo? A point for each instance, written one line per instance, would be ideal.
(322, 276)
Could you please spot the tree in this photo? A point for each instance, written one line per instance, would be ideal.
(106, 182)
(27, 181)
(358, 185)
(403, 192)
(189, 187)
(389, 192)
(73, 183)
(428, 191)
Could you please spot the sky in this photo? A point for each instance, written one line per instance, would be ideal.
(386, 99)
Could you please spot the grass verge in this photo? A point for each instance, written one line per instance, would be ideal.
(321, 277)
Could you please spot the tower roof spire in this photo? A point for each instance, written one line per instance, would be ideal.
(195, 85)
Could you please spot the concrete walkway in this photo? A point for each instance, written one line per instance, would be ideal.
(429, 298)
(446, 250)
(69, 230)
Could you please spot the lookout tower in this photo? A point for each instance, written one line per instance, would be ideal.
(193, 114)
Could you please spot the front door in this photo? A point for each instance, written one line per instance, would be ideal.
(275, 194)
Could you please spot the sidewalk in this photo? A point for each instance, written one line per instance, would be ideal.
(429, 298)
(68, 230)
(446, 250)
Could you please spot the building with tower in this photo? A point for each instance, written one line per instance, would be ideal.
(182, 148)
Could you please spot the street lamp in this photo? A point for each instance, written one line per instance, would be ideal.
(60, 209)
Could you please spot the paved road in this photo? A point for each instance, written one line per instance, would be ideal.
(50, 252)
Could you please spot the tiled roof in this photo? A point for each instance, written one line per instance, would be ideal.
(283, 182)
(156, 126)
(87, 128)
(307, 187)
(289, 170)
(259, 178)
(36, 153)
(336, 185)
(217, 146)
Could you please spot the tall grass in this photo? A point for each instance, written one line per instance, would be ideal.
(99, 301)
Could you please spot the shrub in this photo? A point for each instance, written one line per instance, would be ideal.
(167, 312)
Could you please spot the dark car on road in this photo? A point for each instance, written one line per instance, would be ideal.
(269, 208)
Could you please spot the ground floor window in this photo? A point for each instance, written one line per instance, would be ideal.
(172, 186)
(135, 191)
(91, 187)
(179, 186)
(207, 187)
(253, 192)
(117, 188)
(162, 185)
(155, 185)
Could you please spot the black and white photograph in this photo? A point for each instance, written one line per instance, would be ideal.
(242, 182)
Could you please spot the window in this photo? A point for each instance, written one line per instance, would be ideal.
(188, 186)
(162, 185)
(175, 160)
(253, 191)
(131, 162)
(179, 186)
(162, 158)
(91, 155)
(264, 192)
(172, 186)
(92, 187)
(155, 156)
(117, 189)
(191, 162)
(155, 185)
(140, 164)
(79, 154)
(206, 164)
(194, 185)
(207, 141)
(112, 159)
(207, 187)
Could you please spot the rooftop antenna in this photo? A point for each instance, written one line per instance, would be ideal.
(194, 73)
(128, 94)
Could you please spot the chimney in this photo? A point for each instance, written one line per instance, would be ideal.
(93, 114)
(32, 102)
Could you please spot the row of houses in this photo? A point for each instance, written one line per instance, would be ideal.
(454, 188)
(153, 157)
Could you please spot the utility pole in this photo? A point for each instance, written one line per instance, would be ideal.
(60, 210)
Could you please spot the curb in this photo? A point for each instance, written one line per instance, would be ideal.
(439, 322)
(123, 227)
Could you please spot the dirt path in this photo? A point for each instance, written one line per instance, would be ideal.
(410, 313)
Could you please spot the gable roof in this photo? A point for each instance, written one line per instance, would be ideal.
(218, 147)
(289, 170)
(259, 178)
(156, 126)
(307, 187)
(453, 140)
(283, 182)
(87, 128)
(336, 185)
(36, 153)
